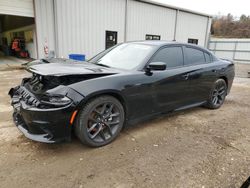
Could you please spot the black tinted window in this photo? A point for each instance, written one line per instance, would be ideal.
(193, 41)
(172, 56)
(194, 56)
(207, 57)
(153, 37)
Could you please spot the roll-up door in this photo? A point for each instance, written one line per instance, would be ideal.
(17, 7)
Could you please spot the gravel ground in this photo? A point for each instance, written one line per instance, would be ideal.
(242, 70)
(193, 148)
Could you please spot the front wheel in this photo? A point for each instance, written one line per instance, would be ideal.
(217, 95)
(100, 121)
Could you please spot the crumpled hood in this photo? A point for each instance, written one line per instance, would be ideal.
(70, 68)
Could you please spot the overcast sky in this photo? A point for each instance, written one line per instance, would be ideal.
(214, 7)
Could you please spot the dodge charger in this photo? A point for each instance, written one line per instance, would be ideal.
(126, 84)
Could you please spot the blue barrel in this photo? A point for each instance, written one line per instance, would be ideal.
(78, 57)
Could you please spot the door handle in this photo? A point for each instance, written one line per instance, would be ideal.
(185, 76)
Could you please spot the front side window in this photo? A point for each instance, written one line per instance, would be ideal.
(172, 56)
(194, 56)
(125, 56)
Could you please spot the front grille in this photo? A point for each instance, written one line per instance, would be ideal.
(27, 96)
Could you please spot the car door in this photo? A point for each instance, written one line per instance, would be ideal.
(171, 90)
(139, 95)
(201, 73)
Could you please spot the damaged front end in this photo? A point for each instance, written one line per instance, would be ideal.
(44, 104)
(43, 107)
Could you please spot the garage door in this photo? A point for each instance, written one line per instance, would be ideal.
(17, 7)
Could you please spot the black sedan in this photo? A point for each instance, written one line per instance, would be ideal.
(125, 84)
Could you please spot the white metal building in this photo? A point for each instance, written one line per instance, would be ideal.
(90, 26)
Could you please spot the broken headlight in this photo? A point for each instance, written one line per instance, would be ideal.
(56, 100)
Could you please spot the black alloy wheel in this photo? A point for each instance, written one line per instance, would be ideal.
(217, 95)
(100, 121)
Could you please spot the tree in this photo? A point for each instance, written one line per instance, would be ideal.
(228, 26)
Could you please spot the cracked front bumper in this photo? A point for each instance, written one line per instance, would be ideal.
(47, 126)
(50, 125)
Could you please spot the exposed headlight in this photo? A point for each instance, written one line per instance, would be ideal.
(57, 100)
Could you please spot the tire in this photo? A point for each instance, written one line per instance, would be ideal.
(100, 121)
(217, 95)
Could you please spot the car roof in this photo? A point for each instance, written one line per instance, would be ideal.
(160, 43)
(153, 42)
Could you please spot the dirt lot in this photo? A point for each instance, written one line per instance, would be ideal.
(242, 70)
(194, 148)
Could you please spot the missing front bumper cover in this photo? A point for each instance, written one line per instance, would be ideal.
(43, 125)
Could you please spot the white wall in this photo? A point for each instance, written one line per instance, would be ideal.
(144, 18)
(44, 10)
(191, 26)
(81, 25)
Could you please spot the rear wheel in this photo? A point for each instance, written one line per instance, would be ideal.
(217, 94)
(100, 121)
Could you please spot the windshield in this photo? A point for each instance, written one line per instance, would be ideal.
(125, 56)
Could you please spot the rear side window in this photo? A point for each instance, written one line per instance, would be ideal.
(194, 56)
(172, 56)
(207, 57)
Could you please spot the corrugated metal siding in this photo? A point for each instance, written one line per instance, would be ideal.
(191, 26)
(17, 7)
(146, 18)
(224, 55)
(78, 26)
(82, 24)
(225, 46)
(234, 49)
(211, 46)
(44, 25)
(242, 56)
(243, 46)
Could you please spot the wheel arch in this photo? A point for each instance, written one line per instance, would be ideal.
(225, 79)
(114, 93)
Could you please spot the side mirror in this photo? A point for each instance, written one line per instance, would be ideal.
(157, 66)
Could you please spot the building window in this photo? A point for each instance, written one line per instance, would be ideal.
(111, 39)
(153, 37)
(193, 41)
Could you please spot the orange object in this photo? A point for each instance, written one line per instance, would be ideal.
(73, 117)
(14, 45)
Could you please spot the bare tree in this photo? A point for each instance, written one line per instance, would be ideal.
(228, 26)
